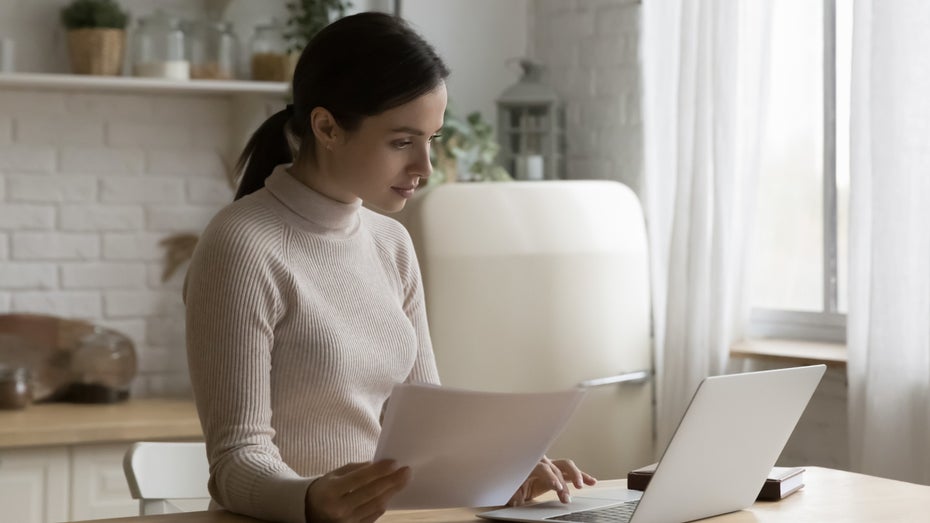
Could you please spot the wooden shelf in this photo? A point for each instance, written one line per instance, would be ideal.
(128, 84)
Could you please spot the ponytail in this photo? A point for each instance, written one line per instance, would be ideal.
(267, 148)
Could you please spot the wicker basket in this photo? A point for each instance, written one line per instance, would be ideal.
(96, 51)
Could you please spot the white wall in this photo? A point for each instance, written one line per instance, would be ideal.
(475, 38)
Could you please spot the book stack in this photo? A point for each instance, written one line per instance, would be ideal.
(782, 481)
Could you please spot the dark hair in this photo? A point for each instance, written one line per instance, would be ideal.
(356, 67)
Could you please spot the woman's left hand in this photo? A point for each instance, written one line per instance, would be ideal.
(551, 475)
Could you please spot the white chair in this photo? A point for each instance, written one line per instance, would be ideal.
(160, 474)
(536, 286)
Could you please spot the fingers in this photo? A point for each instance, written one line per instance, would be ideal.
(521, 495)
(572, 473)
(376, 505)
(378, 489)
(554, 477)
(588, 479)
(349, 467)
(356, 476)
(357, 492)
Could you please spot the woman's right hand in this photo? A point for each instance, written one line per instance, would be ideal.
(355, 493)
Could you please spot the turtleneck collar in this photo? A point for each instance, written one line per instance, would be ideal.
(310, 210)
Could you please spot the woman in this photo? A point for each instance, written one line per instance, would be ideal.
(305, 305)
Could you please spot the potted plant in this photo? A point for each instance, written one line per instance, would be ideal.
(466, 151)
(96, 36)
(307, 17)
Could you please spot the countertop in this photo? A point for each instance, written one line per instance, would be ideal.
(73, 424)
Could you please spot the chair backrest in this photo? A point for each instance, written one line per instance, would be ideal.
(553, 273)
(158, 472)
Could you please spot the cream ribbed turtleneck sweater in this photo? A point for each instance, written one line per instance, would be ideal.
(302, 312)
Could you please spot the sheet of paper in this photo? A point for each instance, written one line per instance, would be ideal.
(467, 448)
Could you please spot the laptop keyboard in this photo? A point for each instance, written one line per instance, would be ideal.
(614, 514)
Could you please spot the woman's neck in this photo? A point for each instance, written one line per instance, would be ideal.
(319, 176)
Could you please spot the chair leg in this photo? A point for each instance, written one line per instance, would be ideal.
(148, 507)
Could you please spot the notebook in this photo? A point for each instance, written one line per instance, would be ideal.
(734, 428)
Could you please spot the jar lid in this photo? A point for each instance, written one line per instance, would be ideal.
(13, 373)
(160, 18)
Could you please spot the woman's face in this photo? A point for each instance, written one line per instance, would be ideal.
(384, 160)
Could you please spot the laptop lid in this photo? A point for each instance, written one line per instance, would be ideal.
(726, 443)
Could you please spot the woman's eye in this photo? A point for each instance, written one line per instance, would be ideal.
(402, 144)
(435, 137)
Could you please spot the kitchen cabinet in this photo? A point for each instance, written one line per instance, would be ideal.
(62, 462)
(98, 485)
(34, 485)
(73, 483)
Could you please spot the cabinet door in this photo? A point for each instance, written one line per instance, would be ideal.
(98, 485)
(34, 485)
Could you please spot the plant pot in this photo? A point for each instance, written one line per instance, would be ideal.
(96, 51)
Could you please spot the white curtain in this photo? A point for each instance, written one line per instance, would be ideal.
(704, 73)
(889, 282)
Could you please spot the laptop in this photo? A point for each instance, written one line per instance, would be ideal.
(725, 445)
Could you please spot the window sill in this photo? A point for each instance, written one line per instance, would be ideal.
(791, 351)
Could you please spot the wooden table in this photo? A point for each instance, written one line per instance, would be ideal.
(829, 495)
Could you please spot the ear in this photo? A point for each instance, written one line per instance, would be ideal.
(325, 128)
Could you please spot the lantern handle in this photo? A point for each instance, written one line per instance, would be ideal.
(530, 70)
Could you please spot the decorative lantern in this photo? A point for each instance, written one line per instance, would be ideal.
(531, 123)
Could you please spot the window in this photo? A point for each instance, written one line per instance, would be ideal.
(799, 247)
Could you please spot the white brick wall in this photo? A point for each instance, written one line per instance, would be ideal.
(27, 159)
(89, 184)
(44, 131)
(14, 217)
(590, 53)
(55, 246)
(102, 160)
(19, 275)
(52, 188)
(141, 190)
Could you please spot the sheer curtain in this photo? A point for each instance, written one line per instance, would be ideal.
(889, 287)
(704, 72)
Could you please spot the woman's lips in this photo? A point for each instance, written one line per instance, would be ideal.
(405, 192)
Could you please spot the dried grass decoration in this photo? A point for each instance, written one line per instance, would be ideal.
(178, 249)
(96, 36)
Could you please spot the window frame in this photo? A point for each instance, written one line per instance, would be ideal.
(827, 325)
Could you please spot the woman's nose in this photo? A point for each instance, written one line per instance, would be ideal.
(422, 166)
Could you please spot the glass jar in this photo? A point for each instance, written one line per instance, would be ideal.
(103, 365)
(270, 59)
(15, 387)
(213, 50)
(158, 50)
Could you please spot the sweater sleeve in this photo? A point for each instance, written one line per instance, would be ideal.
(233, 303)
(424, 368)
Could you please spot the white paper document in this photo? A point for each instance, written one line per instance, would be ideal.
(468, 448)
